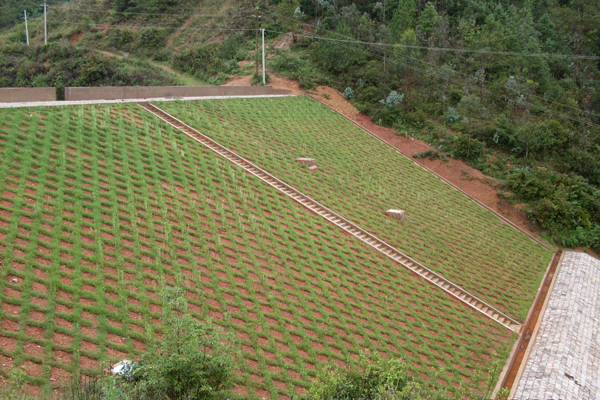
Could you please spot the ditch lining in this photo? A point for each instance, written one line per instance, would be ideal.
(521, 348)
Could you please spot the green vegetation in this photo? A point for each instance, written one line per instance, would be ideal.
(103, 206)
(61, 65)
(499, 105)
(505, 112)
(360, 178)
(372, 377)
(193, 360)
(11, 11)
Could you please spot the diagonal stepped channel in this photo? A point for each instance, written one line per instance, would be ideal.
(378, 244)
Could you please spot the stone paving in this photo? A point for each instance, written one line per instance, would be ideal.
(564, 362)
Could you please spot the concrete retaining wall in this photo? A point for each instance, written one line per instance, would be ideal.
(18, 95)
(147, 92)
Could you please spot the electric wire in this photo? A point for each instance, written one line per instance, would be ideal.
(448, 49)
(530, 95)
(345, 43)
(64, 9)
(470, 85)
(159, 27)
(354, 41)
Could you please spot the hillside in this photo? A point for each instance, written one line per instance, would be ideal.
(511, 88)
(102, 206)
(361, 178)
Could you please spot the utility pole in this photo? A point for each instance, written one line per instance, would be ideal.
(263, 48)
(384, 53)
(256, 17)
(26, 31)
(256, 54)
(45, 25)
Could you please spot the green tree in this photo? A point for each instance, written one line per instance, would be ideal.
(368, 378)
(194, 360)
(404, 18)
(429, 17)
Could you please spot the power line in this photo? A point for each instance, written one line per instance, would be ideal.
(139, 13)
(433, 73)
(486, 91)
(160, 27)
(353, 41)
(503, 53)
(65, 5)
(468, 76)
(344, 43)
(431, 64)
(449, 49)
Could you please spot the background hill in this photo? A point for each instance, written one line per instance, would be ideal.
(508, 87)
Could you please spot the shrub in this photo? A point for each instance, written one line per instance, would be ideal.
(258, 80)
(466, 148)
(151, 38)
(431, 154)
(394, 99)
(195, 360)
(373, 378)
(370, 94)
(298, 68)
(417, 119)
(366, 379)
(567, 205)
(452, 115)
(348, 93)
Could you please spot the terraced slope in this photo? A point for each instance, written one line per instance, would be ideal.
(101, 206)
(360, 178)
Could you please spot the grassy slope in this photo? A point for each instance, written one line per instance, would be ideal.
(103, 205)
(360, 178)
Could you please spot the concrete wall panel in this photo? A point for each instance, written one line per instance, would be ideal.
(147, 92)
(17, 95)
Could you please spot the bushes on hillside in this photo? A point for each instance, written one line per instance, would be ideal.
(212, 60)
(297, 67)
(194, 360)
(60, 65)
(567, 205)
(372, 377)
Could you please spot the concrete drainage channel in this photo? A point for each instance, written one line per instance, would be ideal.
(373, 241)
(518, 355)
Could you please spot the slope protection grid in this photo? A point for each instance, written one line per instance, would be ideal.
(360, 178)
(340, 221)
(102, 206)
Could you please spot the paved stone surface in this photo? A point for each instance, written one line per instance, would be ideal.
(565, 359)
